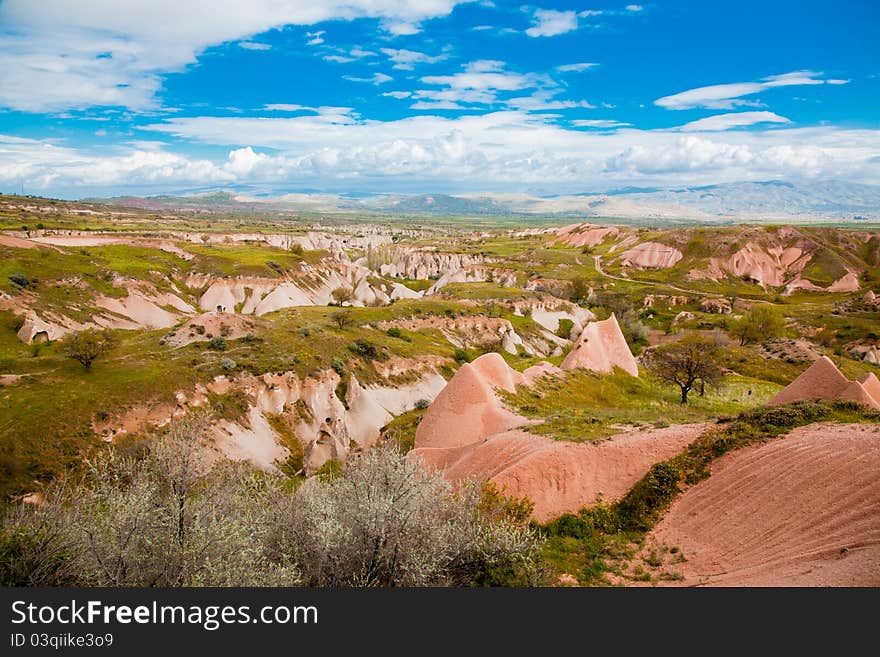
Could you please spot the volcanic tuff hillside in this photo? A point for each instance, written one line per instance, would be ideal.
(308, 343)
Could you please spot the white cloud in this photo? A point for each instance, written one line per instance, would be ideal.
(284, 107)
(549, 22)
(65, 54)
(543, 100)
(733, 120)
(599, 123)
(407, 59)
(377, 78)
(254, 45)
(728, 96)
(399, 95)
(498, 150)
(634, 8)
(576, 68)
(315, 38)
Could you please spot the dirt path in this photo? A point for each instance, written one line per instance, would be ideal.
(598, 263)
(803, 510)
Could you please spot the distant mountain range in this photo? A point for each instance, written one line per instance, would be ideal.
(768, 200)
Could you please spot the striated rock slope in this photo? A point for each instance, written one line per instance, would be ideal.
(802, 510)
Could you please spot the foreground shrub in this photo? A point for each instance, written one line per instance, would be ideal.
(168, 518)
(386, 522)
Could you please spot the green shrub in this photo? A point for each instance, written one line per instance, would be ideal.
(217, 343)
(462, 356)
(565, 326)
(363, 348)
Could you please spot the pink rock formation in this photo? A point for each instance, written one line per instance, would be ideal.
(586, 234)
(601, 347)
(847, 283)
(467, 432)
(651, 255)
(822, 380)
(468, 410)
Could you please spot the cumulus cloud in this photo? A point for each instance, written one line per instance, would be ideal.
(732, 120)
(498, 150)
(549, 22)
(64, 54)
(729, 96)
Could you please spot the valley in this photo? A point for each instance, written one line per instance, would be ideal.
(517, 355)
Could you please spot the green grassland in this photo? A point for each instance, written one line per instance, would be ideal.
(583, 406)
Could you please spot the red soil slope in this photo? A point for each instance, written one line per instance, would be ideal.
(803, 510)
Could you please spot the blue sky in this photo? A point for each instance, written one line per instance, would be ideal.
(116, 96)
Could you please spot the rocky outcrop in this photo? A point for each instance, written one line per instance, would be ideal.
(35, 329)
(145, 310)
(261, 295)
(588, 235)
(650, 255)
(715, 305)
(824, 381)
(548, 314)
(421, 264)
(600, 348)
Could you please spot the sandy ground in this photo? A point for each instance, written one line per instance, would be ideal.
(803, 510)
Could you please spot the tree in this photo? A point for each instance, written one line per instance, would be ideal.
(689, 362)
(85, 347)
(342, 294)
(580, 289)
(341, 318)
(762, 322)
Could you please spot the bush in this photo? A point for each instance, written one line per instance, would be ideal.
(385, 522)
(422, 404)
(564, 329)
(217, 343)
(339, 366)
(462, 356)
(227, 364)
(363, 348)
(163, 520)
(394, 332)
(20, 279)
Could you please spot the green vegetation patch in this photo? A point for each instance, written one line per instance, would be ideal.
(583, 406)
